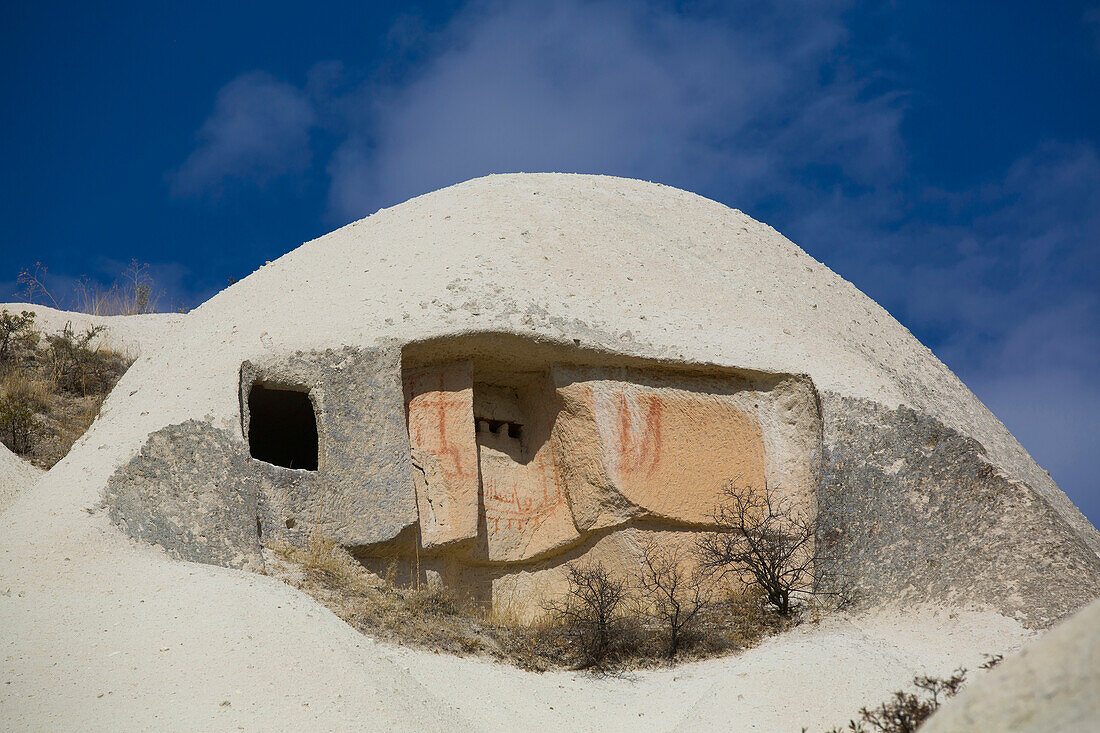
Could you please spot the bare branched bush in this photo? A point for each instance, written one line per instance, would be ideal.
(16, 331)
(79, 364)
(32, 286)
(133, 292)
(596, 622)
(765, 540)
(906, 711)
(674, 594)
(591, 615)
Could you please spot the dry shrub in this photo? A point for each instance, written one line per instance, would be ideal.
(66, 419)
(51, 393)
(674, 592)
(600, 622)
(737, 618)
(906, 711)
(133, 292)
(592, 616)
(766, 541)
(80, 364)
(16, 333)
(19, 426)
(426, 616)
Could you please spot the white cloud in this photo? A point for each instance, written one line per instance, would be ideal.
(756, 108)
(1008, 286)
(258, 131)
(619, 88)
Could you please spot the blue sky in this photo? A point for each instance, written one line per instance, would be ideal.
(943, 156)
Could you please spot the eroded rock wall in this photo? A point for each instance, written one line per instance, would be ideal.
(523, 465)
(363, 492)
(487, 476)
(912, 511)
(439, 405)
(490, 468)
(194, 492)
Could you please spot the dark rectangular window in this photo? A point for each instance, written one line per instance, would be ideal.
(282, 427)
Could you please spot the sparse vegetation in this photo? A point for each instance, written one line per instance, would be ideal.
(766, 541)
(673, 593)
(80, 365)
(18, 424)
(423, 615)
(51, 389)
(16, 331)
(682, 600)
(600, 622)
(905, 711)
(133, 292)
(592, 615)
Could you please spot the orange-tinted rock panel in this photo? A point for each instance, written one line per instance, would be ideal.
(526, 510)
(659, 451)
(441, 431)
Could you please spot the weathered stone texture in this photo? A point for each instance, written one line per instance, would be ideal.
(526, 510)
(665, 453)
(910, 510)
(514, 464)
(584, 461)
(365, 492)
(192, 491)
(195, 490)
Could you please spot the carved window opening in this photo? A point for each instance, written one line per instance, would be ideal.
(500, 427)
(282, 427)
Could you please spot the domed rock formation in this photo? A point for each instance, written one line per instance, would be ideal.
(488, 381)
(482, 384)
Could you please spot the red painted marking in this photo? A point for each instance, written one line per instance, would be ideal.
(654, 420)
(640, 452)
(428, 411)
(504, 503)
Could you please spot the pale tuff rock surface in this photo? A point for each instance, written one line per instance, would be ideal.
(15, 476)
(912, 510)
(440, 409)
(1052, 684)
(584, 338)
(129, 335)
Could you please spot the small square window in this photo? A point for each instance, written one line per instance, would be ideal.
(282, 427)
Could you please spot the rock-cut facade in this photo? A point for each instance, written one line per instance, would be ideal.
(483, 384)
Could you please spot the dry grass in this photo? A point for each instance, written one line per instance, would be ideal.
(438, 619)
(739, 619)
(61, 413)
(426, 617)
(27, 387)
(133, 292)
